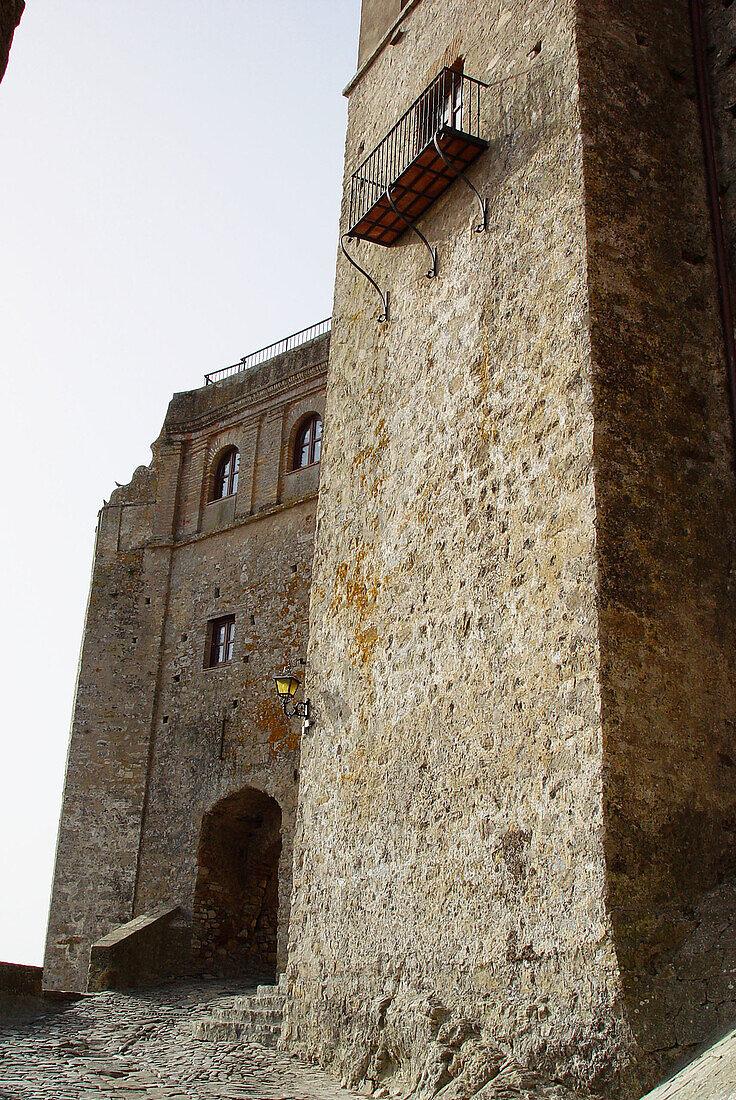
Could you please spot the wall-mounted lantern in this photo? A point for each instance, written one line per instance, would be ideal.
(287, 686)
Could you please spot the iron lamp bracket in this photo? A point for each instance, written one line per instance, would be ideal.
(296, 710)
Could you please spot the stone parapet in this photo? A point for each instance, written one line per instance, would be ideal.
(149, 949)
(20, 980)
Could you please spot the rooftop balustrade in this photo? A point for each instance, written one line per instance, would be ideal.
(271, 351)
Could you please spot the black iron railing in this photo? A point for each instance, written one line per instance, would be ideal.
(450, 103)
(270, 351)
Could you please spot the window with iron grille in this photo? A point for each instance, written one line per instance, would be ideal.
(308, 446)
(226, 474)
(220, 641)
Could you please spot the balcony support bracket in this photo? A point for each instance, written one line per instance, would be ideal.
(432, 272)
(385, 300)
(482, 203)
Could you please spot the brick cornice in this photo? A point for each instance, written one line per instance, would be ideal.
(250, 404)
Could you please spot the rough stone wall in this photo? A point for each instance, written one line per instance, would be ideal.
(99, 831)
(720, 19)
(375, 19)
(157, 738)
(664, 486)
(235, 910)
(20, 980)
(142, 952)
(450, 870)
(519, 780)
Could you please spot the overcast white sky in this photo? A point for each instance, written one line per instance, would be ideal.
(170, 194)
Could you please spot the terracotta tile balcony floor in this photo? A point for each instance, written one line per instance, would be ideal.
(417, 187)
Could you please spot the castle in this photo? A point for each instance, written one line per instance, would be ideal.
(507, 828)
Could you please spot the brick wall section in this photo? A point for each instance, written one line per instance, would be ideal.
(157, 739)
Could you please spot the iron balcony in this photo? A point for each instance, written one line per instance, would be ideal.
(433, 143)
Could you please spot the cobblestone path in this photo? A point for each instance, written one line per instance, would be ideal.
(139, 1046)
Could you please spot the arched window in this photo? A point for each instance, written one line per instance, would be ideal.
(226, 474)
(308, 446)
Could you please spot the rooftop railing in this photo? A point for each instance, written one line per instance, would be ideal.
(271, 351)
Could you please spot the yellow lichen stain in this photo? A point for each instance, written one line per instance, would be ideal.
(366, 641)
(366, 454)
(357, 588)
(376, 487)
(482, 368)
(283, 737)
(352, 777)
(351, 587)
(362, 455)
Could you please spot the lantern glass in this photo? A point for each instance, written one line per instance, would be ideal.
(286, 685)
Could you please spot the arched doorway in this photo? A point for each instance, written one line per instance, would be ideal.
(236, 898)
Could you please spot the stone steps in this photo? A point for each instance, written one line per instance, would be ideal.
(254, 1017)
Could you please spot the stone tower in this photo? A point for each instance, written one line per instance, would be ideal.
(182, 774)
(516, 816)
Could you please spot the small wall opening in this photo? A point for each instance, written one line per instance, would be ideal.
(236, 899)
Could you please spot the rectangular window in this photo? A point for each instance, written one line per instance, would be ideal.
(220, 641)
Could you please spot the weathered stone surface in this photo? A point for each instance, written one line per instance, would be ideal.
(166, 753)
(709, 1076)
(663, 462)
(256, 1017)
(451, 837)
(514, 790)
(515, 835)
(146, 950)
(19, 979)
(720, 25)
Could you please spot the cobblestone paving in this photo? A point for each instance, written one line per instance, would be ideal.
(139, 1046)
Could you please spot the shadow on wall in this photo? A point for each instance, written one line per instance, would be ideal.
(236, 899)
(665, 527)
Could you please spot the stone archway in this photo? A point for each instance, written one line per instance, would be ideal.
(236, 897)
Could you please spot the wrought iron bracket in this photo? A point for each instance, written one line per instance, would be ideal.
(432, 272)
(482, 203)
(297, 710)
(385, 299)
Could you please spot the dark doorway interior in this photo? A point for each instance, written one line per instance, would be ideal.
(236, 898)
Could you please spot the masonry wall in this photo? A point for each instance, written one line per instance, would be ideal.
(664, 483)
(720, 30)
(94, 879)
(157, 738)
(516, 790)
(450, 874)
(376, 18)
